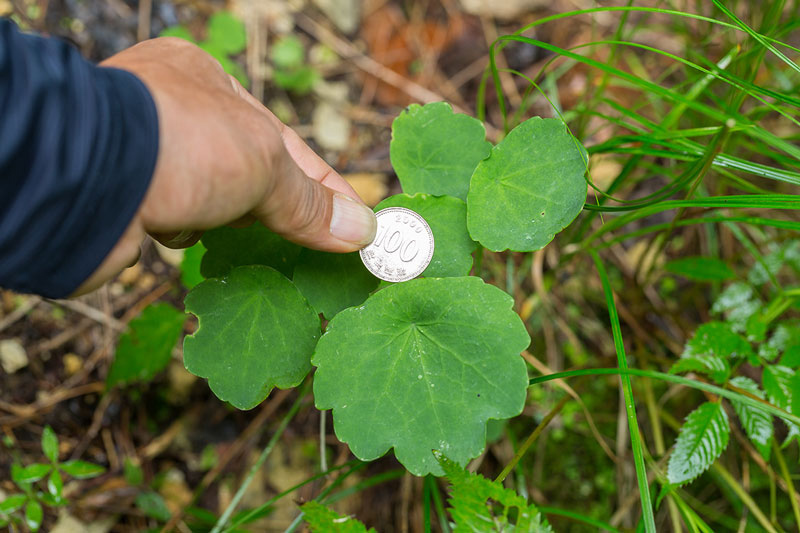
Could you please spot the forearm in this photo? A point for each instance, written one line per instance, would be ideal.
(78, 147)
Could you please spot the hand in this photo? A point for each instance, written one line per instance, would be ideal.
(226, 159)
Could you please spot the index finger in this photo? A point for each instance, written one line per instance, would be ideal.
(309, 162)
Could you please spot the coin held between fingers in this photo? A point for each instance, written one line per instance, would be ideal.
(403, 245)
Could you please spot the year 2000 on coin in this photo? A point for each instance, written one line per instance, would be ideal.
(403, 245)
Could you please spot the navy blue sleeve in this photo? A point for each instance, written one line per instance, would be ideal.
(78, 147)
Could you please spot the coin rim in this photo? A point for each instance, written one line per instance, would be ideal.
(425, 263)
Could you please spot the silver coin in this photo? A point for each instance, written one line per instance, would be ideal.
(403, 245)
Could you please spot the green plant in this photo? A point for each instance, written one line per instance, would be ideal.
(225, 37)
(26, 507)
(704, 142)
(146, 347)
(476, 504)
(291, 72)
(723, 349)
(389, 358)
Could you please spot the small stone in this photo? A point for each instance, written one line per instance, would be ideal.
(130, 274)
(12, 355)
(345, 14)
(171, 256)
(507, 10)
(67, 523)
(72, 364)
(180, 383)
(371, 186)
(175, 491)
(331, 128)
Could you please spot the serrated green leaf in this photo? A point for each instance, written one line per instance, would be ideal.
(323, 520)
(50, 444)
(531, 187)
(435, 151)
(779, 255)
(756, 422)
(332, 282)
(33, 515)
(253, 245)
(784, 343)
(738, 302)
(756, 328)
(447, 217)
(287, 52)
(473, 499)
(776, 380)
(422, 365)
(33, 472)
(714, 366)
(701, 268)
(702, 439)
(145, 349)
(81, 469)
(227, 33)
(719, 339)
(190, 265)
(256, 332)
(180, 32)
(13, 503)
(782, 386)
(153, 505)
(55, 485)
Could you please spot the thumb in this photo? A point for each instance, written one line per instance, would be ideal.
(304, 211)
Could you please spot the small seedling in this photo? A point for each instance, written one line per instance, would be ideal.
(27, 507)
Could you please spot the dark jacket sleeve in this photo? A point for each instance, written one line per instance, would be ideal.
(78, 147)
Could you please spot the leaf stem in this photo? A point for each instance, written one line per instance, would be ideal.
(599, 524)
(699, 385)
(263, 457)
(789, 483)
(744, 496)
(532, 438)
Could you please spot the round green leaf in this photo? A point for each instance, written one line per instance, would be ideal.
(332, 282)
(435, 151)
(253, 245)
(447, 217)
(422, 365)
(180, 32)
(287, 52)
(146, 348)
(256, 332)
(190, 265)
(529, 189)
(227, 33)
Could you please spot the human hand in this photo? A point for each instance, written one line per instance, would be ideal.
(226, 159)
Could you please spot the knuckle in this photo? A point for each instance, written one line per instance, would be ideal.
(308, 210)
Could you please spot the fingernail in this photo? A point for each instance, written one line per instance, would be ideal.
(352, 221)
